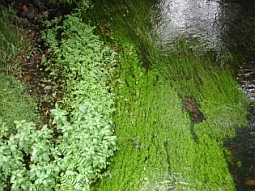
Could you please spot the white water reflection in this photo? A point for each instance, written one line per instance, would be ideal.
(189, 18)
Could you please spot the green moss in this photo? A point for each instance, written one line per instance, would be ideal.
(157, 150)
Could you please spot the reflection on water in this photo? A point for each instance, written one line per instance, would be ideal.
(189, 18)
(217, 24)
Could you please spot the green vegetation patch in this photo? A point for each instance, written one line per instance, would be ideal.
(161, 147)
(157, 148)
(73, 152)
(9, 39)
(83, 117)
(15, 102)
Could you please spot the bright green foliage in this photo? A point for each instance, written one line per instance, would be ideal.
(24, 151)
(215, 87)
(80, 148)
(157, 148)
(83, 117)
(25, 158)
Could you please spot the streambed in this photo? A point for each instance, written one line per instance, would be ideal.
(224, 28)
(220, 25)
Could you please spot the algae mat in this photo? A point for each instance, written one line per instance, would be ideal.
(157, 148)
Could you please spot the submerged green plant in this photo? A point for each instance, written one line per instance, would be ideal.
(81, 4)
(158, 150)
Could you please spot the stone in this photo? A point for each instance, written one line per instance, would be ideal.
(30, 15)
(24, 7)
(33, 12)
(23, 22)
(42, 8)
(37, 3)
(52, 4)
(23, 14)
(250, 182)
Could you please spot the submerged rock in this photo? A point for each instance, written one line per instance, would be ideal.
(192, 107)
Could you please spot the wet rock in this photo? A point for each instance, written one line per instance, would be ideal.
(37, 3)
(246, 79)
(192, 107)
(23, 14)
(30, 16)
(52, 4)
(42, 8)
(32, 13)
(23, 22)
(24, 7)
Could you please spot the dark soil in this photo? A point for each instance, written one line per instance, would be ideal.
(30, 18)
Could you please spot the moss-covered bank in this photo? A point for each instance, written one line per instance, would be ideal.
(160, 147)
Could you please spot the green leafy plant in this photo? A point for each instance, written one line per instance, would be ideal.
(74, 156)
(25, 158)
(83, 116)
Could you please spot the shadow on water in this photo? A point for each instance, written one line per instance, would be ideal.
(242, 165)
(241, 40)
(242, 146)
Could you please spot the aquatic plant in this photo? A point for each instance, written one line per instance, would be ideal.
(157, 148)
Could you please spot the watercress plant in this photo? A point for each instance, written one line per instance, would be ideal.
(72, 154)
(83, 116)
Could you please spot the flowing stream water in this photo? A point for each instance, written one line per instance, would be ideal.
(174, 18)
(219, 25)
